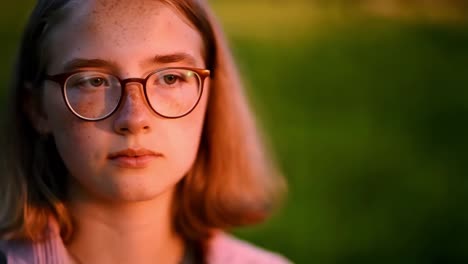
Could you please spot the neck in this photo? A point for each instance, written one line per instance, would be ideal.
(133, 232)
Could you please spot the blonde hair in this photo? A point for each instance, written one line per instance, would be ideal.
(233, 181)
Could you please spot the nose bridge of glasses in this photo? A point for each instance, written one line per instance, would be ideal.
(132, 94)
(133, 80)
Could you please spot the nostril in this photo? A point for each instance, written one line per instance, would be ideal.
(146, 127)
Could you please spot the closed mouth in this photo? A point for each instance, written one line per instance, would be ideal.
(133, 153)
(134, 158)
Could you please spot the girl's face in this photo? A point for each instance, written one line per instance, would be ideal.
(130, 39)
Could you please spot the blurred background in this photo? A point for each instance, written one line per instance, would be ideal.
(365, 104)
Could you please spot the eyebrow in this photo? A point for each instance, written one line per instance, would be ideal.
(78, 63)
(86, 63)
(172, 58)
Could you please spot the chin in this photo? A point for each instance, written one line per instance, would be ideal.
(120, 185)
(138, 188)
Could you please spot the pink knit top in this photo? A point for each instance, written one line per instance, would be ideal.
(224, 249)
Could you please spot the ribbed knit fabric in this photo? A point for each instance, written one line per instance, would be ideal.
(224, 249)
(51, 251)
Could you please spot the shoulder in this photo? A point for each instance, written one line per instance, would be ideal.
(225, 248)
(3, 257)
(16, 251)
(50, 250)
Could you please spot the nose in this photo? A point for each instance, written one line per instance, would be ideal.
(134, 115)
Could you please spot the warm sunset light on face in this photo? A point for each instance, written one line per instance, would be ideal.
(155, 152)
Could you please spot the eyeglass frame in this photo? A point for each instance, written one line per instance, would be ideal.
(62, 78)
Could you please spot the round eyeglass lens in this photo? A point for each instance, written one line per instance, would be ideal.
(92, 95)
(173, 92)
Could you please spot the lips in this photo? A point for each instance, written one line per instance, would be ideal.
(133, 158)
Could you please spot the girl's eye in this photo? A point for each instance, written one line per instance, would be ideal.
(96, 82)
(170, 79)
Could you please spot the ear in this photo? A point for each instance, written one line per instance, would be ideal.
(32, 107)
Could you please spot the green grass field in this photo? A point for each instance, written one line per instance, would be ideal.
(368, 120)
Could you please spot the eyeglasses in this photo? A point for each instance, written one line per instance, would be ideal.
(171, 92)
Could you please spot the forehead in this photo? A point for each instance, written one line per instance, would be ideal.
(121, 30)
(99, 15)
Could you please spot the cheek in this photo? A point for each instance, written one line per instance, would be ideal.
(184, 137)
(80, 146)
(75, 139)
